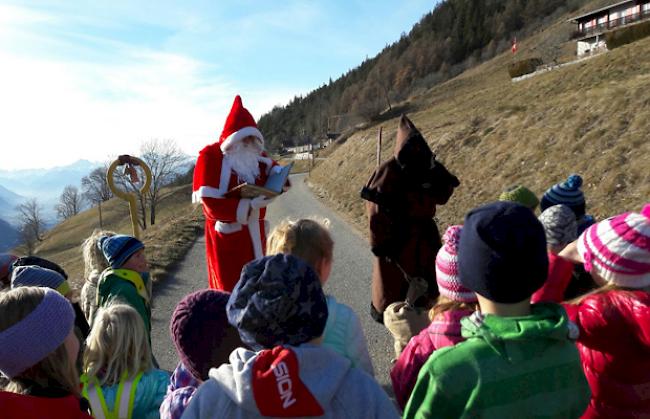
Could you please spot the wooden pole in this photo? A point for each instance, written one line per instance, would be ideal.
(379, 146)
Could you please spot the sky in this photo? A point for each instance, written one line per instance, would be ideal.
(92, 79)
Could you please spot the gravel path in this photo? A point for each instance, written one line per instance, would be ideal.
(349, 281)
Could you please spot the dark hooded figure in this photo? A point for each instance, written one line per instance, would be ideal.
(401, 196)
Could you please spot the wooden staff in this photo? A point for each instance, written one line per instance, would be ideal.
(379, 146)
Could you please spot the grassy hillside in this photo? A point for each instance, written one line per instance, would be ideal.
(590, 118)
(178, 223)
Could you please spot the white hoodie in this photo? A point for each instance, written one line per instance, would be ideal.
(304, 381)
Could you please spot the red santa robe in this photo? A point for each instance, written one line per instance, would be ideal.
(235, 233)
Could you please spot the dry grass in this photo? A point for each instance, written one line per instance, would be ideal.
(591, 118)
(178, 223)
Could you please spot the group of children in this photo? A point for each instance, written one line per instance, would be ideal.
(498, 343)
(66, 359)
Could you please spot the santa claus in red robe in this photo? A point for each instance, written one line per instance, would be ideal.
(235, 230)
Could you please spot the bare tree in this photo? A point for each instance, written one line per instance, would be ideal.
(164, 158)
(32, 224)
(70, 203)
(96, 190)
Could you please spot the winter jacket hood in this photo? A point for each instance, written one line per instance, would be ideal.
(547, 321)
(149, 394)
(308, 380)
(614, 344)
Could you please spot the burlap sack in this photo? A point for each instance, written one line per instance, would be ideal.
(404, 321)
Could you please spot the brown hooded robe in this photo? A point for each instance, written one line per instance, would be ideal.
(401, 196)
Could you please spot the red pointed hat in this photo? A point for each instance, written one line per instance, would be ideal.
(239, 125)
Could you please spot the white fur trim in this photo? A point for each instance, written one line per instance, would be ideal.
(243, 207)
(255, 233)
(227, 228)
(240, 135)
(205, 192)
(268, 162)
(211, 192)
(224, 179)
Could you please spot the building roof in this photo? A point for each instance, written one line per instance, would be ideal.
(602, 9)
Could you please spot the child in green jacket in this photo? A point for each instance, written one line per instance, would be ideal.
(127, 277)
(519, 359)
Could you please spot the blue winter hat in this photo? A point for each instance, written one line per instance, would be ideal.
(36, 276)
(119, 248)
(502, 252)
(567, 193)
(277, 301)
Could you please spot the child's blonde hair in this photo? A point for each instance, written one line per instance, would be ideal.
(93, 256)
(117, 343)
(308, 239)
(55, 370)
(444, 304)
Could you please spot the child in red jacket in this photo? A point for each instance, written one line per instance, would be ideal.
(38, 351)
(614, 320)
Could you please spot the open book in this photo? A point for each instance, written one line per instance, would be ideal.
(272, 187)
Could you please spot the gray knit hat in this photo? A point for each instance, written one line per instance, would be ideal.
(35, 276)
(560, 225)
(38, 334)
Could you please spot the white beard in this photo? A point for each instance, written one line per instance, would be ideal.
(244, 161)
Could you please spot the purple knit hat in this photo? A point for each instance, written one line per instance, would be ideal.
(447, 268)
(33, 338)
(201, 333)
(618, 249)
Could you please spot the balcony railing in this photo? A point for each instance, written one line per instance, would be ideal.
(613, 24)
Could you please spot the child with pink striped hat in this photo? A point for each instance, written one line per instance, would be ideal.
(454, 303)
(614, 320)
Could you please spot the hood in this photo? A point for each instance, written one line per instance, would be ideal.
(546, 322)
(413, 167)
(411, 150)
(286, 381)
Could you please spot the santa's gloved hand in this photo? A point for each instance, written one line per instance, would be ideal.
(260, 202)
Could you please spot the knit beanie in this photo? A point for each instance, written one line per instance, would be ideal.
(200, 330)
(38, 334)
(559, 224)
(38, 261)
(119, 248)
(35, 276)
(618, 249)
(447, 268)
(277, 301)
(567, 193)
(502, 252)
(521, 195)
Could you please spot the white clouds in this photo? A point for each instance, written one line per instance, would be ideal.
(86, 80)
(59, 110)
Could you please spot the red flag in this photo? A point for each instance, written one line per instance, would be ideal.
(514, 45)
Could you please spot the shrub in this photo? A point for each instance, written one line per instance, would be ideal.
(627, 35)
(519, 68)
